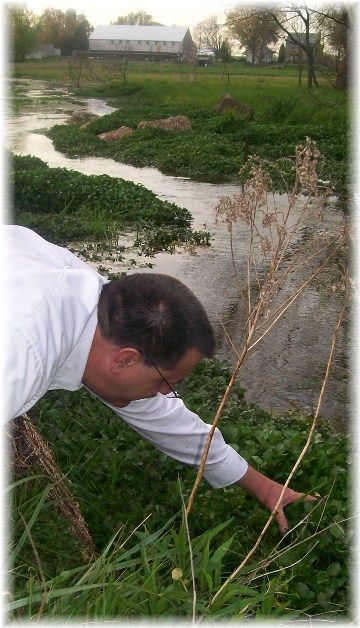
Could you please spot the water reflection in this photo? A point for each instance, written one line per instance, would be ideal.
(286, 371)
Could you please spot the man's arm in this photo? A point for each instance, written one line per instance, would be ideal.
(179, 433)
(267, 492)
(175, 430)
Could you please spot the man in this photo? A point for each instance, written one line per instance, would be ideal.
(129, 342)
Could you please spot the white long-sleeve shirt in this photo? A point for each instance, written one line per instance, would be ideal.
(51, 299)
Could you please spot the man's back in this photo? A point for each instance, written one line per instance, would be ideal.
(50, 305)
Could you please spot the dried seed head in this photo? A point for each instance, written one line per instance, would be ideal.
(307, 158)
(177, 574)
(265, 245)
(269, 219)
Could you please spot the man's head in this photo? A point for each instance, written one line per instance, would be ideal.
(157, 315)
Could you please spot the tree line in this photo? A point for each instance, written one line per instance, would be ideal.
(250, 28)
(255, 28)
(29, 31)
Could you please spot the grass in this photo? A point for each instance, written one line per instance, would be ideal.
(56, 68)
(106, 463)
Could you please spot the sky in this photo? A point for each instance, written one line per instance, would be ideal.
(183, 13)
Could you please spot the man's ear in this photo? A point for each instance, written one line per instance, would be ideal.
(124, 358)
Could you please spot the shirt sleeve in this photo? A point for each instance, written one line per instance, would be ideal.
(176, 431)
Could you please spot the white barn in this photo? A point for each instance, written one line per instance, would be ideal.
(143, 41)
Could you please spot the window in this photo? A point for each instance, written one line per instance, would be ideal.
(156, 43)
(139, 41)
(147, 42)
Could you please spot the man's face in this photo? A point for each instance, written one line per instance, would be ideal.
(141, 381)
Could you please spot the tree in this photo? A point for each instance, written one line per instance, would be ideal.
(81, 35)
(52, 23)
(336, 25)
(140, 17)
(64, 31)
(225, 51)
(210, 34)
(254, 28)
(76, 38)
(281, 57)
(24, 30)
(297, 22)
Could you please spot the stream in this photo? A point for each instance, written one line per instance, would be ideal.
(285, 371)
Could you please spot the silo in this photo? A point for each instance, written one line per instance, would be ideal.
(70, 17)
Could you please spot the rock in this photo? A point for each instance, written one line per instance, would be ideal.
(117, 134)
(228, 102)
(82, 117)
(174, 123)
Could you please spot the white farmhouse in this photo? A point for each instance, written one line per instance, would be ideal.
(294, 53)
(152, 42)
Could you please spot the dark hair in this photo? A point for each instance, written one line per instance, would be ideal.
(156, 314)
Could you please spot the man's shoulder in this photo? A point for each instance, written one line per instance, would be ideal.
(42, 279)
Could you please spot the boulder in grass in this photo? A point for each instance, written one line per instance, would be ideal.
(117, 134)
(227, 102)
(82, 117)
(174, 123)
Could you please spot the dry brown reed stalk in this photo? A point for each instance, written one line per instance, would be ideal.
(193, 580)
(277, 551)
(30, 454)
(254, 575)
(273, 234)
(297, 463)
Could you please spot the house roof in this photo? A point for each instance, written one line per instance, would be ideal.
(130, 33)
(301, 37)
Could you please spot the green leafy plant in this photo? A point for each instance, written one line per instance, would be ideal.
(107, 462)
(97, 207)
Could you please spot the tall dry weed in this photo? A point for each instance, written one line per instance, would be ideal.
(282, 244)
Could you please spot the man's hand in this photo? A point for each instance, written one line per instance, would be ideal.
(267, 492)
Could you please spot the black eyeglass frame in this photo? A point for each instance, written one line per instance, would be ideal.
(172, 391)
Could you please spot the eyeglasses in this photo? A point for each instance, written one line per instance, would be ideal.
(172, 394)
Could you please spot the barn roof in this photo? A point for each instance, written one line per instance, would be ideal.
(130, 33)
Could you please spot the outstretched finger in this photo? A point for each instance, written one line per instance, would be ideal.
(290, 498)
(282, 522)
